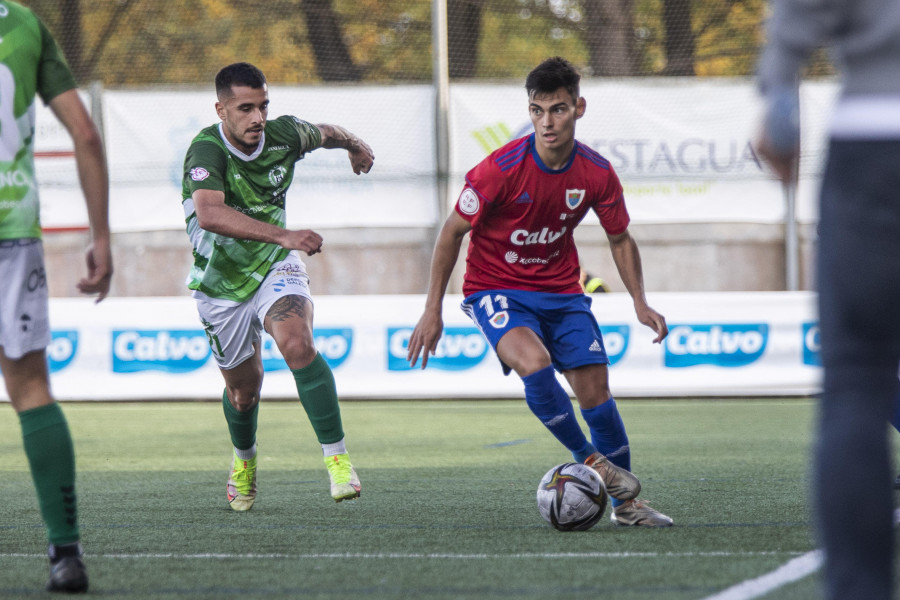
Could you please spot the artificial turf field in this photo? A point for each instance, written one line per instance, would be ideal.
(447, 510)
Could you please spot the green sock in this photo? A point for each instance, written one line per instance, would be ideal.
(318, 395)
(241, 425)
(48, 446)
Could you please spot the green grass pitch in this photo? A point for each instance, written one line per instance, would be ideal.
(447, 510)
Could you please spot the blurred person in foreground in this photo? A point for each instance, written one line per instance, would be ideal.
(32, 64)
(858, 270)
(522, 283)
(248, 275)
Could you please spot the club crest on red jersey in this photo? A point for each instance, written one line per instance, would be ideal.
(574, 198)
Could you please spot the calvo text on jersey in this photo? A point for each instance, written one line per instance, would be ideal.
(523, 237)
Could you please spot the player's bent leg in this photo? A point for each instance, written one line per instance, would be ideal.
(240, 404)
(613, 461)
(289, 321)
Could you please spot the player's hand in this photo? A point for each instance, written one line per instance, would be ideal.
(424, 338)
(654, 321)
(361, 157)
(305, 240)
(778, 141)
(100, 269)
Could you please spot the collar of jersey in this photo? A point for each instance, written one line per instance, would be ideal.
(238, 153)
(540, 163)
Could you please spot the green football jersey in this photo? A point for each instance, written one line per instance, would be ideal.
(256, 185)
(30, 64)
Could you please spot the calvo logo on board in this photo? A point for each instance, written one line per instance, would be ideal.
(721, 345)
(459, 349)
(168, 350)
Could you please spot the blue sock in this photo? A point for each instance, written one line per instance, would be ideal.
(608, 435)
(895, 418)
(551, 404)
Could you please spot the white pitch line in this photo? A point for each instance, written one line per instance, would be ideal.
(441, 556)
(791, 571)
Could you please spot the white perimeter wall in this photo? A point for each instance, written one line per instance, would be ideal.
(723, 344)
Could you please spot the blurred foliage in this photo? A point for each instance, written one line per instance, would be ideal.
(173, 42)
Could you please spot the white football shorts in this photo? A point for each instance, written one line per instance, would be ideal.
(24, 311)
(234, 327)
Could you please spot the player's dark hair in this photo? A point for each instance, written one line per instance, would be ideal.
(243, 74)
(552, 74)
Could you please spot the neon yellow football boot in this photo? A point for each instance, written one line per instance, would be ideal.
(241, 488)
(344, 481)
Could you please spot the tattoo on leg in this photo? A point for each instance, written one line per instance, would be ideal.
(288, 307)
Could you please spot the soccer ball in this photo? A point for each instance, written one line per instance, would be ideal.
(572, 497)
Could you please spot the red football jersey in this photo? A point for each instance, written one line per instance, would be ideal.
(523, 216)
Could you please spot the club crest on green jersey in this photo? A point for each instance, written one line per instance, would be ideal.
(276, 175)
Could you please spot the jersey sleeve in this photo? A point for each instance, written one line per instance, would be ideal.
(53, 74)
(610, 206)
(204, 168)
(309, 136)
(484, 187)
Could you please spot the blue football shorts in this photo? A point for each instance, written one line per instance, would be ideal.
(564, 322)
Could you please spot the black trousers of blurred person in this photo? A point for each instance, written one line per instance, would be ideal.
(859, 316)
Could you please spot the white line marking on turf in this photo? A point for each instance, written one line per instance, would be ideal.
(791, 571)
(404, 555)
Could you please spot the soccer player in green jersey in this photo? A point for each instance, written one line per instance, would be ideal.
(31, 64)
(248, 275)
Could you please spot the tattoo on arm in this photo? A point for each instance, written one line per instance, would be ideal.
(287, 307)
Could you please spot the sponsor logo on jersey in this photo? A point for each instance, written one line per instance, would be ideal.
(595, 346)
(468, 202)
(615, 341)
(523, 237)
(511, 257)
(169, 350)
(62, 349)
(812, 346)
(524, 199)
(459, 349)
(277, 174)
(277, 148)
(726, 345)
(14, 179)
(334, 344)
(199, 173)
(574, 198)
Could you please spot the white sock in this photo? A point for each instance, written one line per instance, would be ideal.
(335, 448)
(246, 454)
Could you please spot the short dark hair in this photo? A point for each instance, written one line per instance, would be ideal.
(552, 74)
(241, 73)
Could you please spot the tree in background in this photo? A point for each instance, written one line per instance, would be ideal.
(128, 42)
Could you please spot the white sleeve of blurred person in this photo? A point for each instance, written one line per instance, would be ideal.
(90, 159)
(794, 30)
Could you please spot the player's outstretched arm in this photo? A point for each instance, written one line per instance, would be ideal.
(430, 327)
(90, 160)
(627, 257)
(217, 217)
(335, 136)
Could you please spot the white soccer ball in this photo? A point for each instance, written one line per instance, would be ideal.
(572, 497)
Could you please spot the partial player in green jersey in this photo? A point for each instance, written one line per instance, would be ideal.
(31, 64)
(248, 275)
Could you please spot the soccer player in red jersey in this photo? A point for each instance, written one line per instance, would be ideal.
(522, 288)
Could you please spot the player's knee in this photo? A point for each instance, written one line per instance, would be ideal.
(298, 352)
(243, 398)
